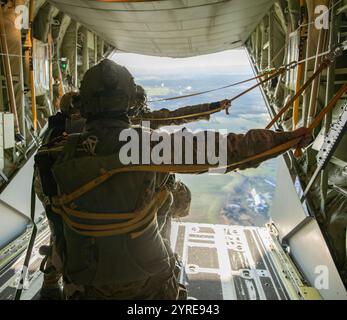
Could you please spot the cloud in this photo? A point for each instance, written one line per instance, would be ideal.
(230, 61)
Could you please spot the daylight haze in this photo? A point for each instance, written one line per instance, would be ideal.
(231, 61)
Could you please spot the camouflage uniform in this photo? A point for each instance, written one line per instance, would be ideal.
(51, 287)
(177, 206)
(66, 121)
(113, 247)
(166, 117)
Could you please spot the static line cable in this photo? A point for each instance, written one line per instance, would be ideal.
(209, 112)
(272, 73)
(329, 58)
(269, 72)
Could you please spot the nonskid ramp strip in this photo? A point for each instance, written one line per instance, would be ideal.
(227, 262)
(10, 273)
(263, 247)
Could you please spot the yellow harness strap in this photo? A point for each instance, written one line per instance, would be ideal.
(186, 116)
(142, 218)
(164, 168)
(97, 216)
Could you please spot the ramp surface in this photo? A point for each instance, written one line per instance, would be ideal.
(221, 262)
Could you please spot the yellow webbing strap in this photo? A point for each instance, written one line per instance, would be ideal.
(88, 230)
(97, 216)
(137, 234)
(186, 116)
(331, 104)
(164, 168)
(143, 217)
(296, 105)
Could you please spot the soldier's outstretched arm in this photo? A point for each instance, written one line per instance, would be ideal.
(257, 141)
(166, 117)
(200, 151)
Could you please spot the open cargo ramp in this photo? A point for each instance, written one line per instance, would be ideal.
(221, 262)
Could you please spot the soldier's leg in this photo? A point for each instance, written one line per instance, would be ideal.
(52, 284)
(52, 264)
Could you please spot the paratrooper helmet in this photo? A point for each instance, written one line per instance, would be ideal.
(107, 88)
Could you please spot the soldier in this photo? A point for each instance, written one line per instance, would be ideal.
(70, 106)
(67, 120)
(113, 248)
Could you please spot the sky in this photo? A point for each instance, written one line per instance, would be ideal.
(230, 61)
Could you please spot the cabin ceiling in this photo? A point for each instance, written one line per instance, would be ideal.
(175, 28)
